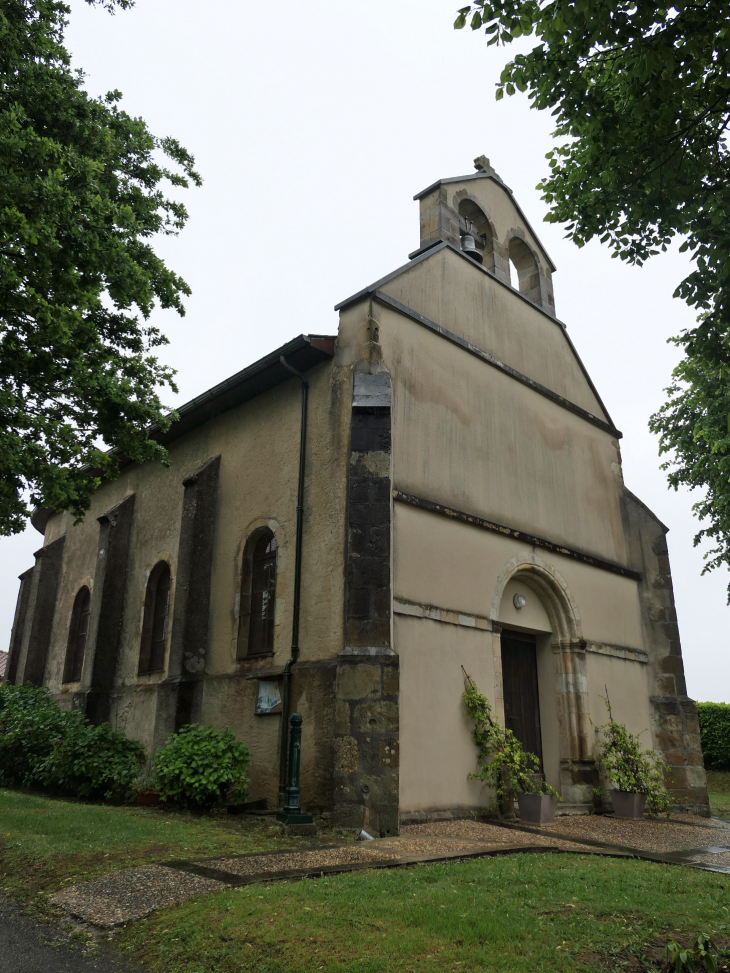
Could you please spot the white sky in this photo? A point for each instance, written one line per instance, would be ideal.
(313, 125)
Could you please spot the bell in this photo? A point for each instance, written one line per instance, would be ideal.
(469, 247)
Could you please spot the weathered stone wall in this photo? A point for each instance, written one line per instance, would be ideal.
(196, 515)
(366, 744)
(108, 604)
(675, 725)
(40, 614)
(180, 695)
(230, 700)
(366, 716)
(19, 621)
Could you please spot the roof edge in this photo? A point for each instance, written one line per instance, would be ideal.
(640, 503)
(424, 254)
(305, 352)
(442, 245)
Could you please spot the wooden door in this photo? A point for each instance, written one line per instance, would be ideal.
(519, 681)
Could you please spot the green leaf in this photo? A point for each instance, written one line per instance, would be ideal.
(461, 18)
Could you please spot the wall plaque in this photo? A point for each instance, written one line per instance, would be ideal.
(269, 697)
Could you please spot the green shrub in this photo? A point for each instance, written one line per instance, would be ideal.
(30, 724)
(199, 766)
(93, 761)
(42, 745)
(715, 734)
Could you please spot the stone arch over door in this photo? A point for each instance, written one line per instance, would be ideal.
(577, 765)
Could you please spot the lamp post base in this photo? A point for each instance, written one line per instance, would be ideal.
(299, 830)
(294, 816)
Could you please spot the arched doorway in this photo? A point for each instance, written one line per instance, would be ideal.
(527, 671)
(549, 620)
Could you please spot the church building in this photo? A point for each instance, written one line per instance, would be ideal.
(353, 522)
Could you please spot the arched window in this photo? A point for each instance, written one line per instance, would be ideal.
(258, 595)
(155, 625)
(77, 636)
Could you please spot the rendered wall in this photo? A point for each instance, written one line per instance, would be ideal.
(444, 565)
(456, 293)
(474, 438)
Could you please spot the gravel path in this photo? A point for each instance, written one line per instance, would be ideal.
(479, 832)
(645, 835)
(130, 894)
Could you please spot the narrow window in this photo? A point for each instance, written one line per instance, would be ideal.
(263, 595)
(77, 636)
(156, 613)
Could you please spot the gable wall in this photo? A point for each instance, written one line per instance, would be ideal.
(457, 294)
(469, 436)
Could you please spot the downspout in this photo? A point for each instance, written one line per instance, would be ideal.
(286, 681)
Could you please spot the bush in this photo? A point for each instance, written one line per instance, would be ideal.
(30, 724)
(199, 766)
(94, 761)
(42, 745)
(715, 734)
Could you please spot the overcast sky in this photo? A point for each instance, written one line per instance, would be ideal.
(313, 125)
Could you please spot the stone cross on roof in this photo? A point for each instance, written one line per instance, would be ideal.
(482, 164)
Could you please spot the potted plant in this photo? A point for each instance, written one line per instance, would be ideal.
(538, 804)
(506, 766)
(144, 787)
(638, 780)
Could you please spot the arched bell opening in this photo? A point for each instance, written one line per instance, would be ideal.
(524, 269)
(477, 233)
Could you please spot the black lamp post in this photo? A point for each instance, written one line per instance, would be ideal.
(292, 813)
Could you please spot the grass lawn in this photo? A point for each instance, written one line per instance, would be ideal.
(718, 785)
(519, 914)
(46, 844)
(514, 914)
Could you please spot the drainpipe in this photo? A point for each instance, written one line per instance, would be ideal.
(297, 585)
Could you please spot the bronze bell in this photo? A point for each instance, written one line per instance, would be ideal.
(469, 247)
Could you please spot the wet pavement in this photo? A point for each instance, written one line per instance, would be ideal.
(29, 946)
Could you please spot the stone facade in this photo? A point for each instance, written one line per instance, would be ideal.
(462, 479)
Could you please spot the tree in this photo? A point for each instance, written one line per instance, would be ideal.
(641, 97)
(80, 200)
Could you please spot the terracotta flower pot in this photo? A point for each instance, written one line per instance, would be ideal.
(537, 808)
(148, 798)
(628, 804)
